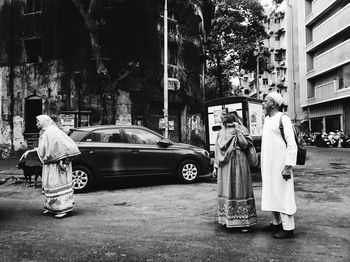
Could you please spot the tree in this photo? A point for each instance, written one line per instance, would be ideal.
(236, 27)
(129, 31)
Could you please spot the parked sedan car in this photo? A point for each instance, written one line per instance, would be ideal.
(120, 151)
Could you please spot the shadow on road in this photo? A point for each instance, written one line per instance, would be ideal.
(139, 182)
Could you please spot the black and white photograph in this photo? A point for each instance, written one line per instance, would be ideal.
(174, 130)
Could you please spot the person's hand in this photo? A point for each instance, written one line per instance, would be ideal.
(287, 173)
(24, 156)
(62, 165)
(214, 173)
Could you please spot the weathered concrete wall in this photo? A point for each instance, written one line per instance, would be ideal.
(40, 80)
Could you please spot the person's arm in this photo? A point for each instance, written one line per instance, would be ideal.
(291, 154)
(25, 154)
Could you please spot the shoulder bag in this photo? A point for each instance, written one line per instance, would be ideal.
(301, 153)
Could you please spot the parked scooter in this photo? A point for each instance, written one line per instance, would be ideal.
(345, 141)
(322, 140)
(309, 139)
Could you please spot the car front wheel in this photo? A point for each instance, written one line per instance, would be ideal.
(82, 179)
(188, 171)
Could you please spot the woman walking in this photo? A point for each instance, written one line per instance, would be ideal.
(236, 204)
(54, 150)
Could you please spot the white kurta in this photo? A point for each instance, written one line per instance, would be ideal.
(277, 193)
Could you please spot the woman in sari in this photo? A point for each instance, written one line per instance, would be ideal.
(54, 150)
(236, 204)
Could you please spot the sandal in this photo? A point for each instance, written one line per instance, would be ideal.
(60, 215)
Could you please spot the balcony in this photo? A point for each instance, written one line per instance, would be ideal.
(330, 27)
(331, 59)
(318, 7)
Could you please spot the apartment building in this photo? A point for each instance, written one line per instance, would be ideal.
(324, 63)
(280, 70)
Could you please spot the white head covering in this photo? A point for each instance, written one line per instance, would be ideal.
(54, 144)
(44, 120)
(276, 97)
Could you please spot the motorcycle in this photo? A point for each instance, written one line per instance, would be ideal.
(322, 140)
(309, 139)
(345, 142)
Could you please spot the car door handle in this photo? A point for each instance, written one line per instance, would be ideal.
(91, 151)
(134, 150)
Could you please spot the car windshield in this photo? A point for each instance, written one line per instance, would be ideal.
(77, 135)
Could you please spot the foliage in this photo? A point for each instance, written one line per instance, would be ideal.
(236, 28)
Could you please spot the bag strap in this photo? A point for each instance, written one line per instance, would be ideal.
(282, 132)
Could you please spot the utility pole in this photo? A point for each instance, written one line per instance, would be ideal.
(257, 77)
(11, 75)
(166, 116)
(259, 50)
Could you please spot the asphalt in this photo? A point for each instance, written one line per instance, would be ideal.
(157, 220)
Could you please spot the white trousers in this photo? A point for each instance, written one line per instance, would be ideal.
(286, 220)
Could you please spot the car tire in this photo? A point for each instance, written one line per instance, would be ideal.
(82, 179)
(188, 171)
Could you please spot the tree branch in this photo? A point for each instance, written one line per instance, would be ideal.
(91, 8)
(95, 47)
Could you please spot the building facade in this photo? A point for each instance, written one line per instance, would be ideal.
(324, 61)
(278, 58)
(106, 69)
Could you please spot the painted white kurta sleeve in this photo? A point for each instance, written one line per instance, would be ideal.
(291, 154)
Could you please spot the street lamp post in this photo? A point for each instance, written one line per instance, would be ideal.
(258, 52)
(165, 78)
(257, 77)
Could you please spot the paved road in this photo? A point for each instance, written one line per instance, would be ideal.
(159, 220)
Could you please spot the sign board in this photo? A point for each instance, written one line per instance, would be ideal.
(256, 118)
(67, 121)
(162, 124)
(214, 119)
(173, 84)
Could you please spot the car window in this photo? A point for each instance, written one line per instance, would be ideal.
(139, 136)
(77, 135)
(105, 136)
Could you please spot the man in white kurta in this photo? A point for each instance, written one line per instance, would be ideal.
(277, 159)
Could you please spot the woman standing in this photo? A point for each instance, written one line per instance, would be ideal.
(54, 150)
(236, 204)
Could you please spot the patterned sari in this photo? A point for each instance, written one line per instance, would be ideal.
(236, 204)
(56, 147)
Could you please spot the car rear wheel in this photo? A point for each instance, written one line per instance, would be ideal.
(188, 171)
(82, 179)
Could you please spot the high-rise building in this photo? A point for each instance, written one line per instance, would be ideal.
(279, 71)
(324, 63)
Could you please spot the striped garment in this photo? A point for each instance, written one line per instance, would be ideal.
(58, 189)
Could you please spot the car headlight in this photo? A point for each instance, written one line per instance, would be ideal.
(202, 151)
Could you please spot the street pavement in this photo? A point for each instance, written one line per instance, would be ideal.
(156, 219)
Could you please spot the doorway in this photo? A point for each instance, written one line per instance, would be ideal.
(32, 108)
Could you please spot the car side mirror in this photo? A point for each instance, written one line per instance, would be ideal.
(164, 143)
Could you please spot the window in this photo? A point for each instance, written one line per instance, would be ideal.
(105, 136)
(33, 50)
(32, 6)
(139, 136)
(265, 81)
(277, 38)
